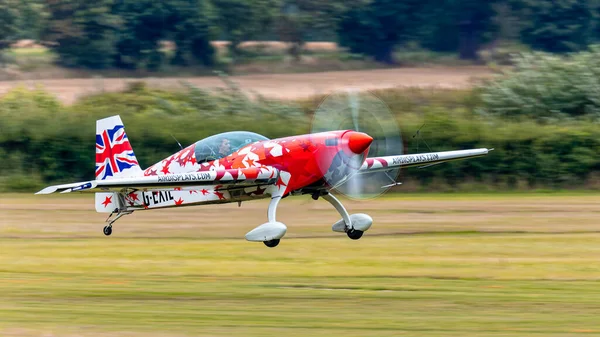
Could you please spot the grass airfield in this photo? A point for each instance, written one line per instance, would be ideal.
(431, 265)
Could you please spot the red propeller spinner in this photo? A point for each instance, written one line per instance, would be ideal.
(357, 142)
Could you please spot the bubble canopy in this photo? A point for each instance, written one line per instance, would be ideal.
(224, 144)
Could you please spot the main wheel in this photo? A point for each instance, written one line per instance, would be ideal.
(107, 230)
(271, 243)
(354, 234)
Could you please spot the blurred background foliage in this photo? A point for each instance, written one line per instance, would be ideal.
(43, 141)
(540, 113)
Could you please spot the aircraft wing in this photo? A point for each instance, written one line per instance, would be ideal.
(422, 160)
(225, 178)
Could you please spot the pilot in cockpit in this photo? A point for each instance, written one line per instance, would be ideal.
(224, 147)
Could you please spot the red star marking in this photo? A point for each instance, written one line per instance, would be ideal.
(226, 162)
(250, 162)
(130, 203)
(165, 169)
(204, 192)
(220, 195)
(133, 196)
(179, 202)
(169, 161)
(305, 146)
(190, 159)
(251, 173)
(193, 191)
(181, 161)
(220, 174)
(150, 172)
(107, 201)
(280, 183)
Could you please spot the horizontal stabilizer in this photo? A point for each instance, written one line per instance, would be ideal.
(81, 187)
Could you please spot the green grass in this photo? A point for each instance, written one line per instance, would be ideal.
(178, 278)
(380, 286)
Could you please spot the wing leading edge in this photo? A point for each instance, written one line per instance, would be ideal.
(376, 164)
(225, 178)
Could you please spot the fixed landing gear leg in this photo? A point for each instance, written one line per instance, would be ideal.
(108, 228)
(271, 232)
(340, 208)
(353, 225)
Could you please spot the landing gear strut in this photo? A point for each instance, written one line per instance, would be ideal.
(270, 232)
(108, 228)
(353, 225)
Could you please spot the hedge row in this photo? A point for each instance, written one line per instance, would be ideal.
(43, 142)
(547, 87)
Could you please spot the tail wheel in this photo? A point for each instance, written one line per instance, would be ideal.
(107, 230)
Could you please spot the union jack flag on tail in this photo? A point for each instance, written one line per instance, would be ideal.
(114, 155)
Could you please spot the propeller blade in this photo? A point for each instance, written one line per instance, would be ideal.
(354, 108)
(366, 113)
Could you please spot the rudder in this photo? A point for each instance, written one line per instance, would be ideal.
(114, 155)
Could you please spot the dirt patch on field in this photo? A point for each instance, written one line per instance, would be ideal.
(281, 86)
(27, 43)
(73, 216)
(279, 45)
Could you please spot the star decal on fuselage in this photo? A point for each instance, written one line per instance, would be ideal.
(107, 201)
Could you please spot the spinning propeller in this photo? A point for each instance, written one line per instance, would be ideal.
(368, 115)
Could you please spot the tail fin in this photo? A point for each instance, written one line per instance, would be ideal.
(114, 155)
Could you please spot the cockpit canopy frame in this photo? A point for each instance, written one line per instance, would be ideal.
(223, 144)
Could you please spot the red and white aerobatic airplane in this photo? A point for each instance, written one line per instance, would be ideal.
(239, 166)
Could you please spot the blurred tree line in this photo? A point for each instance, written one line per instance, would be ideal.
(128, 33)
